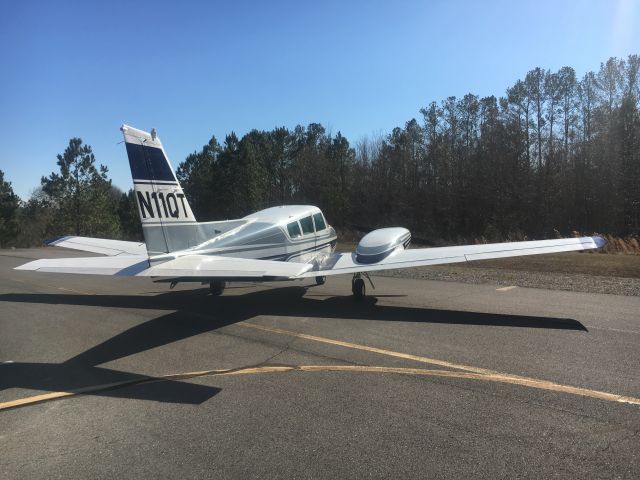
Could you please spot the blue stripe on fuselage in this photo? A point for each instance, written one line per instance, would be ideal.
(288, 256)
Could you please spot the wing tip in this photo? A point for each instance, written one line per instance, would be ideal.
(55, 240)
(599, 241)
(27, 266)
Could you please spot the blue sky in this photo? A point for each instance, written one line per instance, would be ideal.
(195, 69)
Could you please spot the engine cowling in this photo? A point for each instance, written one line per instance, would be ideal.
(379, 244)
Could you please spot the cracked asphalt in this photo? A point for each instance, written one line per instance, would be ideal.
(428, 379)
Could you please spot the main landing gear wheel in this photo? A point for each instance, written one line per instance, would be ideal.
(358, 287)
(216, 287)
(320, 280)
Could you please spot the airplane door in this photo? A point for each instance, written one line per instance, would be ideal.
(310, 238)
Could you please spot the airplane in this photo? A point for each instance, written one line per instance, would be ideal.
(288, 242)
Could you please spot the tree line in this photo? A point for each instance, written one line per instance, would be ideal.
(553, 155)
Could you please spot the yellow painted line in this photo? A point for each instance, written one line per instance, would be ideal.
(471, 372)
(539, 384)
(505, 289)
(21, 402)
(356, 346)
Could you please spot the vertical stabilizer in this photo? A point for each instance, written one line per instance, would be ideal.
(163, 207)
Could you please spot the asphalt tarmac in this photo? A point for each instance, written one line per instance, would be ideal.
(111, 377)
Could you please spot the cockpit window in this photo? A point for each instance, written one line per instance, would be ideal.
(294, 229)
(319, 221)
(307, 225)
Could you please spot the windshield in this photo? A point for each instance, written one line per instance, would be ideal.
(319, 221)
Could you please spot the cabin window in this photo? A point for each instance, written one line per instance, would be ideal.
(307, 224)
(319, 221)
(294, 230)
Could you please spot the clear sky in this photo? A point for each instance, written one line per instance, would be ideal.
(195, 69)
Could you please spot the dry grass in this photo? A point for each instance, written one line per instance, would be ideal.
(628, 245)
(614, 265)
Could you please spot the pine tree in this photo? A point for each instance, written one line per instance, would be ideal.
(80, 194)
(9, 203)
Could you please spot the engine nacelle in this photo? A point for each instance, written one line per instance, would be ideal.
(378, 244)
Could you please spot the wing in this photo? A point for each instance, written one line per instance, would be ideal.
(339, 263)
(100, 245)
(199, 266)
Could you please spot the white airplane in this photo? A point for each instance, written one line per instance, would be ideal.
(290, 242)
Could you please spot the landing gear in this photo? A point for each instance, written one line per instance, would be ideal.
(358, 286)
(216, 287)
(320, 280)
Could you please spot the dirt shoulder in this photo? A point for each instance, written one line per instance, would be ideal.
(610, 265)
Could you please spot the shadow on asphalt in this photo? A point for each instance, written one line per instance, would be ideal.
(194, 312)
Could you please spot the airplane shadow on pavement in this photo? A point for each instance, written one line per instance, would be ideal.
(194, 313)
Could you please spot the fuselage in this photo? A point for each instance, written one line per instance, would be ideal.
(290, 233)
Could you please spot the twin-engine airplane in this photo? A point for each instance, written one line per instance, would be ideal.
(290, 242)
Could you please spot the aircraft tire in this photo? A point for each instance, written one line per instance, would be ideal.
(358, 288)
(216, 287)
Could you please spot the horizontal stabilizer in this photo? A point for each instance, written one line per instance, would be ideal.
(125, 265)
(340, 263)
(100, 245)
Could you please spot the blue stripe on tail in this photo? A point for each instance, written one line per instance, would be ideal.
(148, 163)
